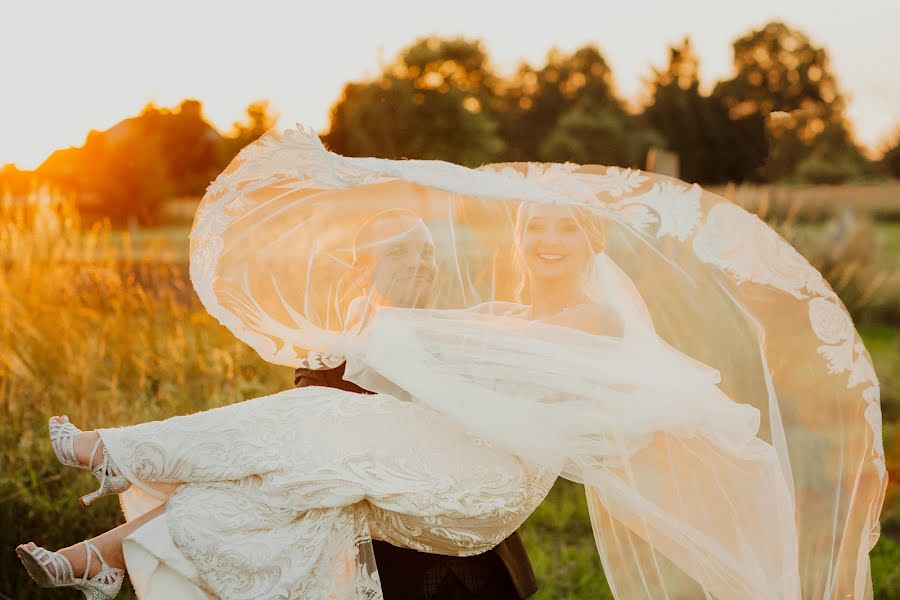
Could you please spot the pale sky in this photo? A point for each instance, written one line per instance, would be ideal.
(69, 66)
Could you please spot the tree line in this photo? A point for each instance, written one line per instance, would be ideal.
(780, 117)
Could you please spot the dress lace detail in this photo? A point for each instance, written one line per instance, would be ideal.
(714, 281)
(741, 245)
(280, 496)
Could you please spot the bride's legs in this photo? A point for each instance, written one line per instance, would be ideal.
(83, 444)
(109, 544)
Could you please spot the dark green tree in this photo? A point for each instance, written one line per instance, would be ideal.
(432, 102)
(712, 147)
(890, 160)
(531, 104)
(834, 158)
(599, 134)
(777, 68)
(780, 72)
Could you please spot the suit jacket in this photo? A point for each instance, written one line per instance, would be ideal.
(503, 572)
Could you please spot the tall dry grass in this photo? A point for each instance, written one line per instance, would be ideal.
(853, 250)
(817, 202)
(96, 325)
(90, 329)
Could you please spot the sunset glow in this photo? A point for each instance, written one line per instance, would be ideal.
(69, 67)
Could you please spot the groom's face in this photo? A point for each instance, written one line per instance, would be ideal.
(403, 271)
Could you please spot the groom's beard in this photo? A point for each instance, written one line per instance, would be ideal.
(425, 300)
(412, 293)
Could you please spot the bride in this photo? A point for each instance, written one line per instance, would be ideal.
(537, 357)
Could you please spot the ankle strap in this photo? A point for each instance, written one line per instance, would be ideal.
(94, 452)
(89, 549)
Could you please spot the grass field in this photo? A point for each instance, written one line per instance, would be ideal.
(120, 338)
(817, 202)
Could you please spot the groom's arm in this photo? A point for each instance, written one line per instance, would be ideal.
(510, 552)
(331, 378)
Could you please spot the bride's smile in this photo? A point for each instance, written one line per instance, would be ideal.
(553, 244)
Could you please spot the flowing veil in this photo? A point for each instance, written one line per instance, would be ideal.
(609, 283)
(729, 439)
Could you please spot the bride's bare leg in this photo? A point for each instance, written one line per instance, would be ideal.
(109, 544)
(83, 444)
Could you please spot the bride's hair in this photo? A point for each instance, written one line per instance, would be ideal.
(593, 226)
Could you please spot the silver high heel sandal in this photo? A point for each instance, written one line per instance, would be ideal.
(53, 570)
(62, 438)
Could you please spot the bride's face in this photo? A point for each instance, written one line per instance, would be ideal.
(552, 243)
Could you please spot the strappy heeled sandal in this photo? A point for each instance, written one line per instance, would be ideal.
(53, 570)
(62, 438)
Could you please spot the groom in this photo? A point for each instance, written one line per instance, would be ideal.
(394, 255)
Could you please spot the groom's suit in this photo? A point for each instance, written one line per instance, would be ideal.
(502, 573)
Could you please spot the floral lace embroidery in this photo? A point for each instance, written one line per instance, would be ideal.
(746, 248)
(280, 496)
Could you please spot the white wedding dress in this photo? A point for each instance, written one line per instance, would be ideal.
(691, 432)
(276, 497)
(279, 496)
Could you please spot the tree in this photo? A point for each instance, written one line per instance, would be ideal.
(779, 72)
(260, 118)
(123, 175)
(432, 102)
(14, 181)
(890, 160)
(712, 146)
(531, 104)
(599, 134)
(128, 171)
(192, 148)
(777, 68)
(441, 99)
(833, 158)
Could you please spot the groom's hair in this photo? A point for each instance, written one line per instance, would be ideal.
(367, 234)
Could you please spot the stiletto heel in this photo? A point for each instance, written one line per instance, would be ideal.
(111, 481)
(53, 570)
(88, 498)
(62, 439)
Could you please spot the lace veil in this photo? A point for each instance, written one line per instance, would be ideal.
(642, 336)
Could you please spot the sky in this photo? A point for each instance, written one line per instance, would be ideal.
(68, 67)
